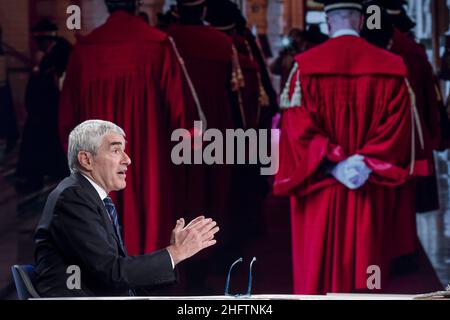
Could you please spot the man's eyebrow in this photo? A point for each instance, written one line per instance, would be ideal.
(115, 143)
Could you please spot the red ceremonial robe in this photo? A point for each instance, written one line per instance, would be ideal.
(250, 92)
(249, 187)
(420, 194)
(207, 53)
(267, 111)
(354, 100)
(421, 78)
(127, 72)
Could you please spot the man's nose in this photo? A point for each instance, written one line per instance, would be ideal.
(126, 159)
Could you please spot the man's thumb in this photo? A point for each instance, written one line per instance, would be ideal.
(180, 224)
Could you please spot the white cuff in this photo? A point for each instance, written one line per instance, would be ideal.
(171, 260)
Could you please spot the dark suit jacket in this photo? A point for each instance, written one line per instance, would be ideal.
(75, 229)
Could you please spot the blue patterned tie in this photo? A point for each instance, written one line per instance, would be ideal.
(115, 220)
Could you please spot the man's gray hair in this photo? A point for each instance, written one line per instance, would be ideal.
(345, 19)
(344, 14)
(87, 136)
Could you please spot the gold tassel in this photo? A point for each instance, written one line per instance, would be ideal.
(438, 93)
(201, 114)
(415, 114)
(240, 77)
(237, 78)
(296, 100)
(234, 81)
(284, 98)
(263, 97)
(415, 122)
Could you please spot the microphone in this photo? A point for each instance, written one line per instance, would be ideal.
(227, 285)
(249, 287)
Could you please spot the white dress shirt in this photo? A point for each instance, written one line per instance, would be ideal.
(102, 194)
(345, 32)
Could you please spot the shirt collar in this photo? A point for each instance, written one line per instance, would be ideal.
(345, 32)
(102, 193)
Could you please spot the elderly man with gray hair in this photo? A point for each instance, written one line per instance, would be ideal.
(79, 227)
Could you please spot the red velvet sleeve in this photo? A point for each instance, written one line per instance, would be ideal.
(303, 147)
(387, 151)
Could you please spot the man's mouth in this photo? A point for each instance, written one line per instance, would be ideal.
(122, 173)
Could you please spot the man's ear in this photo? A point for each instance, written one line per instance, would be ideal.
(362, 20)
(85, 160)
(327, 19)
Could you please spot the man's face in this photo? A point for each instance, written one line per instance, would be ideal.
(109, 165)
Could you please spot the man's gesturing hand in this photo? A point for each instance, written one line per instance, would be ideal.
(188, 240)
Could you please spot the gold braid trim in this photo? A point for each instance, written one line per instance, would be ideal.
(263, 98)
(438, 92)
(285, 102)
(238, 82)
(201, 114)
(415, 121)
(237, 78)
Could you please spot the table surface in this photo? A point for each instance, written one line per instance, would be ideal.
(330, 296)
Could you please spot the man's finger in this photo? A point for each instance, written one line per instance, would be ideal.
(354, 179)
(180, 224)
(210, 234)
(210, 238)
(200, 224)
(210, 243)
(207, 226)
(195, 221)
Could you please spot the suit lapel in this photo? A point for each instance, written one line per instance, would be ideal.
(94, 196)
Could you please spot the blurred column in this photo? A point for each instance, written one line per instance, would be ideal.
(257, 20)
(14, 19)
(256, 11)
(440, 24)
(293, 15)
